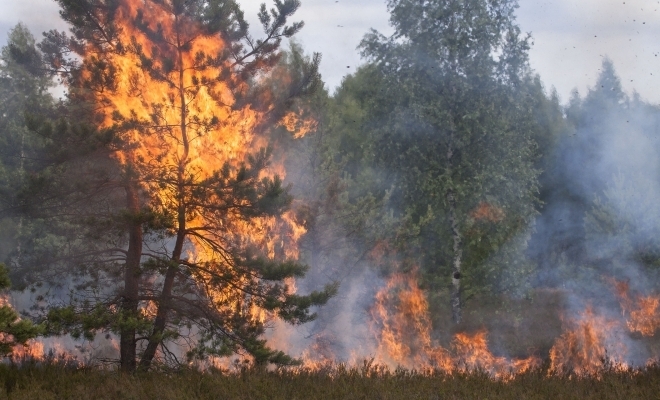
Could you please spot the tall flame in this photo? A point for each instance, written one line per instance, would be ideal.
(587, 347)
(403, 329)
(174, 102)
(177, 115)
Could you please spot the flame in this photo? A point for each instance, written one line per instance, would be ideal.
(299, 126)
(33, 349)
(175, 113)
(643, 315)
(404, 336)
(217, 132)
(56, 350)
(487, 212)
(587, 348)
(646, 318)
(472, 354)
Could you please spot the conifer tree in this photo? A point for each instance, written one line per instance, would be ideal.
(615, 139)
(202, 251)
(23, 86)
(13, 330)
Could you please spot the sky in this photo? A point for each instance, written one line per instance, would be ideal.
(571, 37)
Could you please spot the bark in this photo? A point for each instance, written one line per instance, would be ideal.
(129, 305)
(456, 262)
(457, 248)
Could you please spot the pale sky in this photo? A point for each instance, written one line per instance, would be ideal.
(571, 37)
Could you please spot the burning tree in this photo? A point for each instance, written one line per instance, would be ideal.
(202, 252)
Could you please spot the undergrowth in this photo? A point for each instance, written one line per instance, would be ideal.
(54, 381)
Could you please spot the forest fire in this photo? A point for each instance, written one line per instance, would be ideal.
(643, 315)
(404, 333)
(587, 347)
(188, 251)
(186, 119)
(207, 241)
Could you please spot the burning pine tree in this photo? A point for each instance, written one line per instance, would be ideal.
(202, 249)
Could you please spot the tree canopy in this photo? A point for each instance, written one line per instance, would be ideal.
(192, 230)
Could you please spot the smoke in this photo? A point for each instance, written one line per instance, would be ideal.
(103, 349)
(599, 223)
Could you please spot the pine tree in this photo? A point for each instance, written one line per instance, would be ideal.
(202, 250)
(13, 330)
(23, 86)
(619, 145)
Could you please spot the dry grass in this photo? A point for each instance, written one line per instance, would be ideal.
(45, 382)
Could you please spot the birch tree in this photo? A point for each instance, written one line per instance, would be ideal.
(452, 127)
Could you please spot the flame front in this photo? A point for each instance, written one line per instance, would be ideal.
(587, 348)
(403, 330)
(643, 315)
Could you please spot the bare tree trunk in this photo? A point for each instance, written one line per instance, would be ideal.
(457, 248)
(456, 262)
(129, 305)
(160, 322)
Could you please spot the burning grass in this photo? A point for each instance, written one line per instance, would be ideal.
(53, 381)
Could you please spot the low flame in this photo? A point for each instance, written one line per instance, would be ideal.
(643, 314)
(404, 336)
(587, 348)
(487, 212)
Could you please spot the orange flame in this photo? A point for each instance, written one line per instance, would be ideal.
(583, 349)
(404, 336)
(176, 113)
(644, 314)
(646, 318)
(165, 104)
(300, 127)
(487, 212)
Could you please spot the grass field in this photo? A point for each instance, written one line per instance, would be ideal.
(44, 382)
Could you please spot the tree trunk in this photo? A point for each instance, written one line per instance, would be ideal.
(456, 236)
(160, 322)
(129, 305)
(456, 262)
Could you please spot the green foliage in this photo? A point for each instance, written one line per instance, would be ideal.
(13, 330)
(442, 149)
(445, 115)
(126, 239)
(23, 87)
